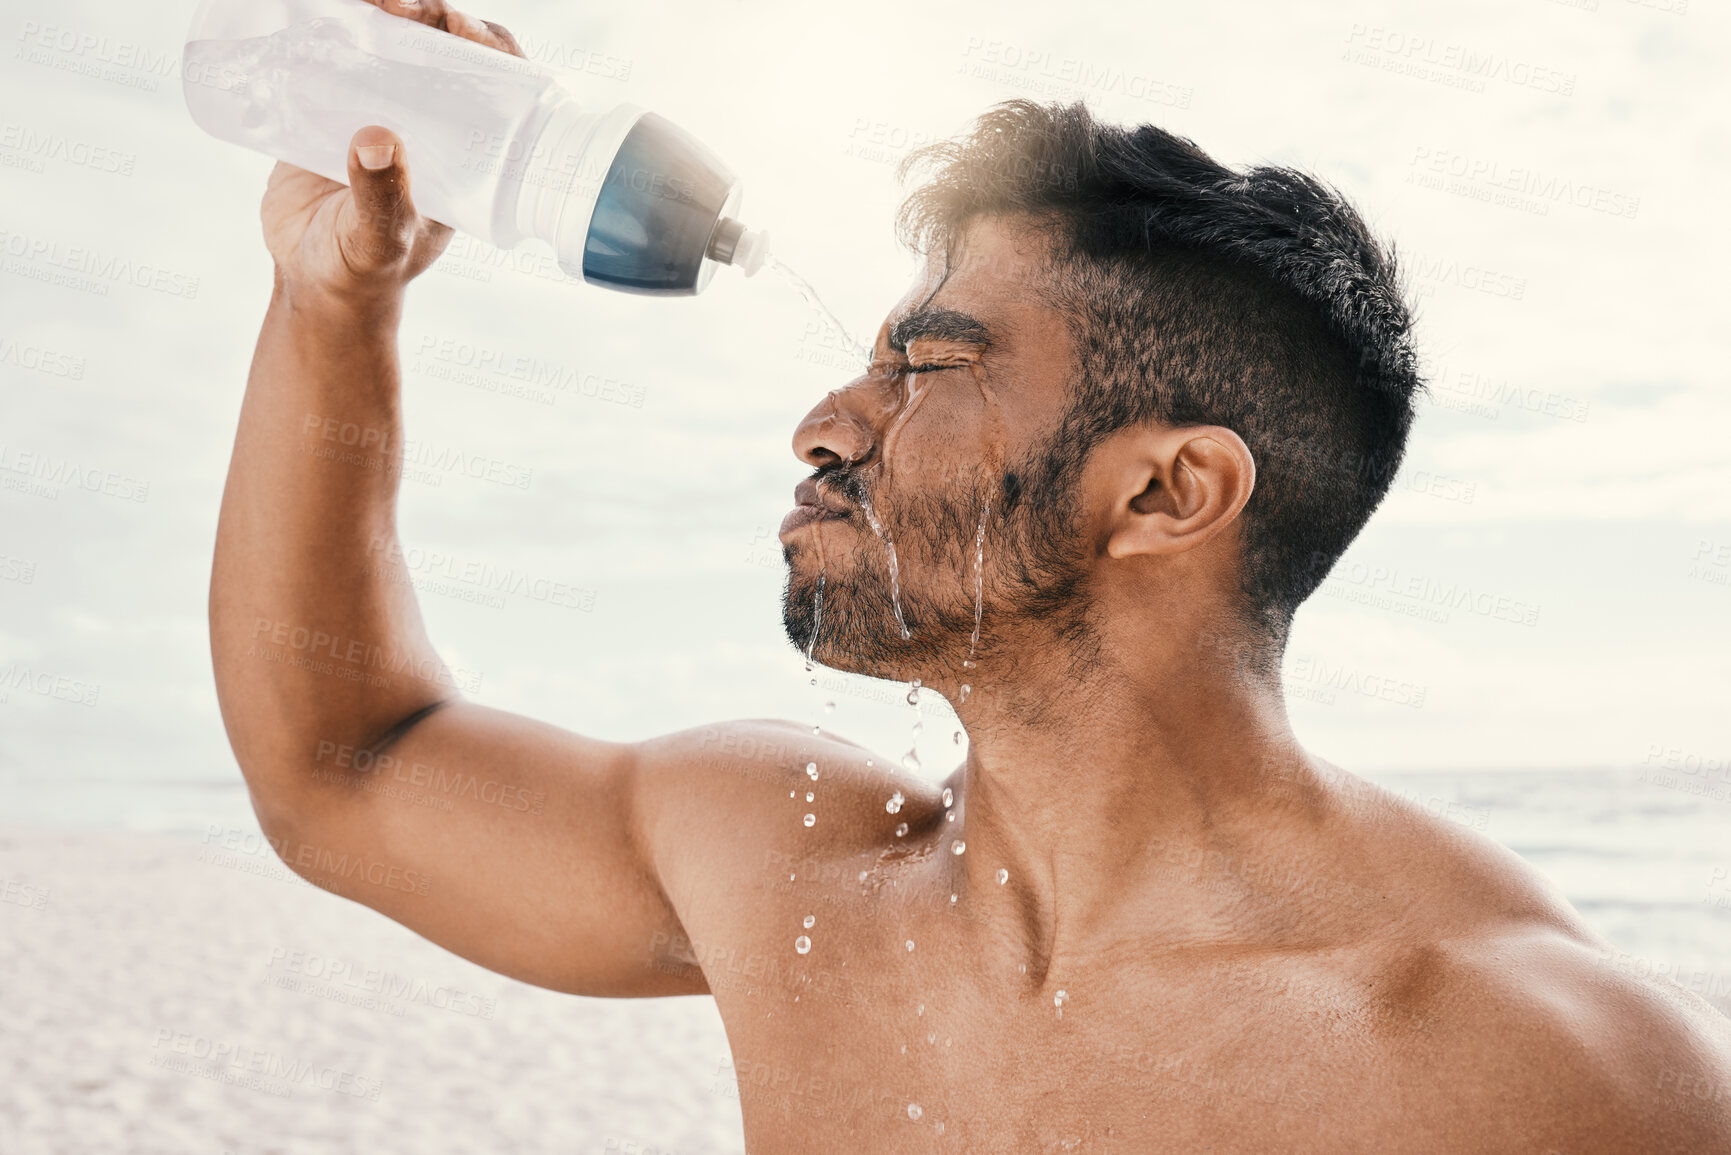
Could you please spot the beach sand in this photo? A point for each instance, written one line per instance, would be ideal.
(172, 995)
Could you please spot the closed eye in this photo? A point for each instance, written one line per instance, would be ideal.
(931, 368)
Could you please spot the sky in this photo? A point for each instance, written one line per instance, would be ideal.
(1548, 585)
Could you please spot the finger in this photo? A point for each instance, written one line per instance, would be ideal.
(430, 12)
(376, 225)
(481, 32)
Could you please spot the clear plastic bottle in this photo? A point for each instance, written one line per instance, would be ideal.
(497, 147)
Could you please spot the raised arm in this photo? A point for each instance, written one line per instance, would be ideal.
(511, 842)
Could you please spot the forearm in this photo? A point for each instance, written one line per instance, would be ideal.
(316, 635)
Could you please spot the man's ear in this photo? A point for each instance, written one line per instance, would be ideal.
(1173, 489)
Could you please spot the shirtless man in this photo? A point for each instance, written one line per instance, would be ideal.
(1139, 918)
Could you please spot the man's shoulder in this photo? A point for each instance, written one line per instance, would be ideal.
(1536, 1028)
(778, 782)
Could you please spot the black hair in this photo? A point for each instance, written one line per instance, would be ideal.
(1199, 294)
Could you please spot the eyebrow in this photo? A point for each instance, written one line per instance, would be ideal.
(941, 325)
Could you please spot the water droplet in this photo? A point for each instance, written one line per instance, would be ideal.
(914, 1111)
(957, 737)
(803, 287)
(956, 847)
(914, 693)
(802, 944)
(814, 681)
(811, 771)
(810, 921)
(951, 816)
(952, 900)
(949, 796)
(919, 728)
(864, 874)
(910, 944)
(967, 665)
(922, 1009)
(868, 763)
(811, 820)
(932, 1037)
(816, 625)
(979, 576)
(817, 729)
(966, 690)
(902, 830)
(1003, 876)
(911, 761)
(1058, 1001)
(895, 803)
(829, 707)
(940, 1128)
(790, 794)
(890, 554)
(810, 797)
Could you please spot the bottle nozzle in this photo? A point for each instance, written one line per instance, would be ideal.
(734, 244)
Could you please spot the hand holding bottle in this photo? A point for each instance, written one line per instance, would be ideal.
(360, 241)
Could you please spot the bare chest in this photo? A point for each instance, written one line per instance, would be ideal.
(904, 1055)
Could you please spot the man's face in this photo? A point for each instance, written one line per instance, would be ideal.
(901, 540)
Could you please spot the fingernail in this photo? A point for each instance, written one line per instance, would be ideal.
(376, 156)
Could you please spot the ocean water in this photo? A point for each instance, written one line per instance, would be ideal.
(1643, 854)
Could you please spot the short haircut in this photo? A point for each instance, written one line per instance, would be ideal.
(1199, 294)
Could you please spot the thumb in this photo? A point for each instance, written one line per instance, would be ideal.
(377, 223)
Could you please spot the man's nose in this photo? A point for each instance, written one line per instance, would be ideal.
(842, 428)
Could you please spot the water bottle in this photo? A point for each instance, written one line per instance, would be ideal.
(496, 146)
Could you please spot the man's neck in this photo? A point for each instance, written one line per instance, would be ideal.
(1103, 793)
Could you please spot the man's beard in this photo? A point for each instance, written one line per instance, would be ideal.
(844, 615)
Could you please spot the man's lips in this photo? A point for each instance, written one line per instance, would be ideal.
(811, 504)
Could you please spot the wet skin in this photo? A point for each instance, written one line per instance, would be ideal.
(1169, 928)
